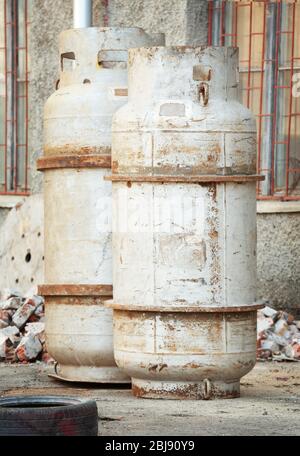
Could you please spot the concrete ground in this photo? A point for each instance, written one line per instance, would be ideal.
(269, 404)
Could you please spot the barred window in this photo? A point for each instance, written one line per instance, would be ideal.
(268, 35)
(14, 97)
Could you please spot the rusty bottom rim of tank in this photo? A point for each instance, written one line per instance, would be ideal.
(205, 389)
(237, 178)
(188, 309)
(74, 161)
(90, 374)
(75, 290)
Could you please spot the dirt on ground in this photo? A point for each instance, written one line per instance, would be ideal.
(269, 404)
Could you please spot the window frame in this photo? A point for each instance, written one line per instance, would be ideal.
(223, 30)
(14, 68)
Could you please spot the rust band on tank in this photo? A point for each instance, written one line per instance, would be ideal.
(76, 290)
(74, 161)
(75, 149)
(187, 179)
(184, 309)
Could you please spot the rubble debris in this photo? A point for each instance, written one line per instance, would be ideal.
(22, 328)
(23, 314)
(12, 303)
(29, 348)
(36, 329)
(3, 340)
(269, 312)
(278, 335)
(5, 316)
(7, 294)
(3, 324)
(10, 332)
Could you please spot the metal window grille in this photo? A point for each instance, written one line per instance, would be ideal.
(14, 97)
(268, 35)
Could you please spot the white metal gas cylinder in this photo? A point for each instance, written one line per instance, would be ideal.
(77, 200)
(184, 225)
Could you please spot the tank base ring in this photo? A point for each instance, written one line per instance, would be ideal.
(74, 161)
(204, 390)
(89, 374)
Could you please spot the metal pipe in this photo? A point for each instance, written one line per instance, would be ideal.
(82, 13)
(228, 23)
(281, 109)
(269, 102)
(10, 95)
(216, 26)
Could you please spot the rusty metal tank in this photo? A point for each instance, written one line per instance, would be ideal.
(184, 225)
(77, 200)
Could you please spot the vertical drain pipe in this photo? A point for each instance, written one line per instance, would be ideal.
(269, 97)
(82, 13)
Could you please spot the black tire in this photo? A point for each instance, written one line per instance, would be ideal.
(48, 416)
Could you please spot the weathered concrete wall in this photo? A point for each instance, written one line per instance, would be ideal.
(48, 19)
(21, 246)
(279, 259)
(196, 22)
(183, 21)
(3, 214)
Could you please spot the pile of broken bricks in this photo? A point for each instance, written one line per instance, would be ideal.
(22, 328)
(278, 335)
